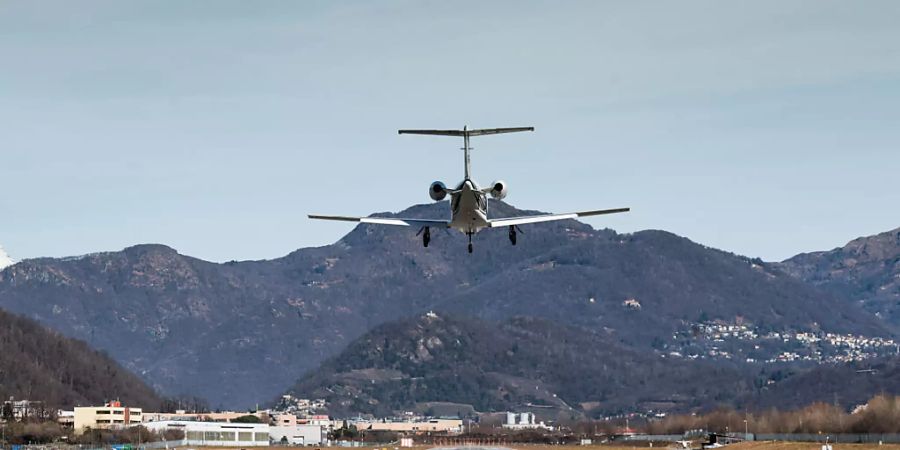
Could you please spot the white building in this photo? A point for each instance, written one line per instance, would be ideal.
(216, 434)
(297, 434)
(23, 409)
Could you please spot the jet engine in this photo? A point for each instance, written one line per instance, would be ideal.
(437, 191)
(498, 190)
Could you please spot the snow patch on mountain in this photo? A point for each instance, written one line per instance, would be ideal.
(5, 260)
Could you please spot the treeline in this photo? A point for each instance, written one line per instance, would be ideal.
(191, 404)
(18, 433)
(39, 364)
(881, 414)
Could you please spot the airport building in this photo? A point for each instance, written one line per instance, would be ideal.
(451, 426)
(297, 434)
(110, 416)
(216, 434)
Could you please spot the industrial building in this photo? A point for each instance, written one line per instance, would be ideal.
(297, 434)
(216, 434)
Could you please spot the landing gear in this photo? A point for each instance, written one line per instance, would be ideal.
(426, 235)
(512, 234)
(470, 241)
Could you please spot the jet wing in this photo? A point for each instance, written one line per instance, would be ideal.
(507, 221)
(386, 221)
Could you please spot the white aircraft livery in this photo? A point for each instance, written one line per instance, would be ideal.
(468, 202)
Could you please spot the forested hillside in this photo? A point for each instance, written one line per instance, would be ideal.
(520, 363)
(42, 365)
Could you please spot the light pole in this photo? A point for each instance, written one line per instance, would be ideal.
(746, 431)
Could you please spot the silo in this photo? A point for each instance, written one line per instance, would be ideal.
(525, 418)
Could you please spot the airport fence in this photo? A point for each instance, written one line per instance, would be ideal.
(142, 446)
(843, 438)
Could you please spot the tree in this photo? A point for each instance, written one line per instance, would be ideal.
(7, 412)
(249, 418)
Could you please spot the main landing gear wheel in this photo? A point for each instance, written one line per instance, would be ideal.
(426, 235)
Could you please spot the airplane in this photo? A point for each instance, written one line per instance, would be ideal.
(468, 201)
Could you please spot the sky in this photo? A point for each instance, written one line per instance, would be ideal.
(765, 128)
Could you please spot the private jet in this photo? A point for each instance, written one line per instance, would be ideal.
(468, 201)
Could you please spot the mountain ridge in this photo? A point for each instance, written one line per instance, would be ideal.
(866, 269)
(239, 332)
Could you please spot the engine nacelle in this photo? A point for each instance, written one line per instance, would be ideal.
(437, 191)
(499, 190)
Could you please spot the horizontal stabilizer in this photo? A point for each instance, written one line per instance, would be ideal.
(481, 132)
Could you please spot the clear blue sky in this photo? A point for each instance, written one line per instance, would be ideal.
(763, 128)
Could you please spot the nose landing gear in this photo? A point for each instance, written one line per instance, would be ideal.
(469, 234)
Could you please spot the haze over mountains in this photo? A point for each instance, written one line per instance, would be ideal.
(241, 333)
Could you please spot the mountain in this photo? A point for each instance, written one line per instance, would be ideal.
(866, 270)
(239, 333)
(520, 363)
(5, 260)
(39, 364)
